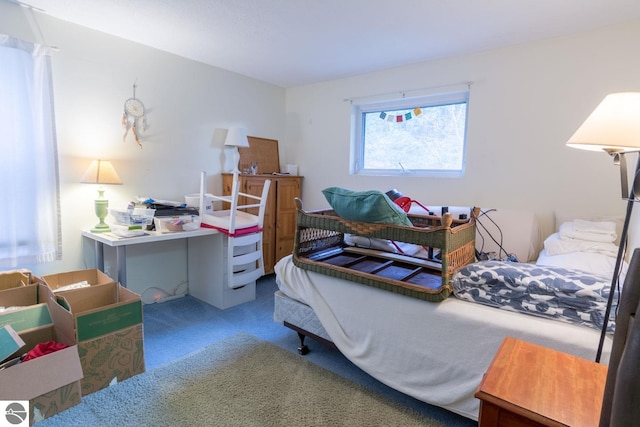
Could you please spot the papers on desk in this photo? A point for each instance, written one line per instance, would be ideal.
(123, 234)
(122, 230)
(170, 203)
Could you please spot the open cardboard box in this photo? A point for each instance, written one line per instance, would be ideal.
(93, 277)
(107, 321)
(16, 278)
(51, 383)
(31, 315)
(10, 343)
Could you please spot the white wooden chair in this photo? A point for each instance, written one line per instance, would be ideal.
(244, 258)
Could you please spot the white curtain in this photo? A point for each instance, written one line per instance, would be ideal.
(30, 230)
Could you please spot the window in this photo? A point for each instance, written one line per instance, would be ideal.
(423, 136)
(29, 218)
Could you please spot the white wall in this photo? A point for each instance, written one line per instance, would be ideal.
(526, 101)
(186, 101)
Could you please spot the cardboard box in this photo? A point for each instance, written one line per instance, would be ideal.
(10, 343)
(111, 358)
(92, 276)
(30, 316)
(16, 278)
(108, 325)
(51, 383)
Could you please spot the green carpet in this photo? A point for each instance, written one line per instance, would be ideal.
(239, 381)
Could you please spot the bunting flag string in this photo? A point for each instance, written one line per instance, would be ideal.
(398, 118)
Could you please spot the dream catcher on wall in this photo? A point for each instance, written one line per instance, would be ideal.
(133, 118)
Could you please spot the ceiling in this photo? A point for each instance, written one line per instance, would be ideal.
(298, 42)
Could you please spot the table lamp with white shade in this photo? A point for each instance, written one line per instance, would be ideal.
(236, 137)
(101, 172)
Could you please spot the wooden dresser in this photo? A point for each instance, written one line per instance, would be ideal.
(529, 385)
(280, 215)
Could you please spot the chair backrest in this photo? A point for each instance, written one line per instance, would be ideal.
(621, 400)
(251, 201)
(233, 209)
(235, 220)
(264, 198)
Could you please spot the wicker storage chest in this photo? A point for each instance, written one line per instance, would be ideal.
(319, 246)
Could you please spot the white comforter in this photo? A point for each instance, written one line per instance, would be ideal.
(435, 352)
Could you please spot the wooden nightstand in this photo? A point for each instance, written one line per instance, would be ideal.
(530, 385)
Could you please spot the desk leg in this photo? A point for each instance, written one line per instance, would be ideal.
(121, 261)
(99, 249)
(121, 264)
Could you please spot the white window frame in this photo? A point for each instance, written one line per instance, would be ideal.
(358, 109)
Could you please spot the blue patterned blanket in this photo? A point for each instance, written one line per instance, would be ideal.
(567, 295)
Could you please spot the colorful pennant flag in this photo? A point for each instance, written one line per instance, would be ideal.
(401, 117)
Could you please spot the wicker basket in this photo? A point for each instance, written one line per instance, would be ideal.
(319, 246)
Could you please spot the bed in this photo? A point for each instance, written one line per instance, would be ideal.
(436, 352)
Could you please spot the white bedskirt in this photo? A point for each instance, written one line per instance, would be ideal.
(435, 352)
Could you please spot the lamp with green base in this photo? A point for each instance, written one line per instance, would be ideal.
(101, 172)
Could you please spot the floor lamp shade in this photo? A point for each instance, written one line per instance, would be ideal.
(101, 172)
(614, 127)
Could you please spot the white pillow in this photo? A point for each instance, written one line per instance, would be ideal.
(562, 217)
(557, 245)
(569, 231)
(594, 263)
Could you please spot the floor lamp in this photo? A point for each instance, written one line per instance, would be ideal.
(614, 127)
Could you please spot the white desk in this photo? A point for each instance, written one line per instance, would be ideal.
(206, 251)
(121, 243)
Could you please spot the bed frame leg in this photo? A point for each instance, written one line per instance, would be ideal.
(303, 349)
(302, 334)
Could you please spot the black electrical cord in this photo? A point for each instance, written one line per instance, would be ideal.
(508, 256)
(479, 233)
